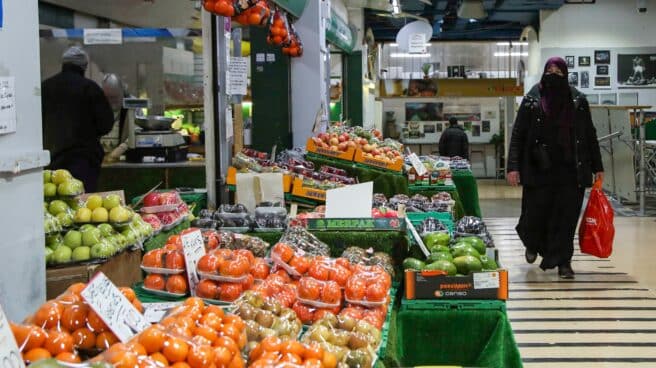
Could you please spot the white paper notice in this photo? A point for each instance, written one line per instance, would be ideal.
(194, 250)
(114, 308)
(417, 164)
(9, 353)
(352, 201)
(259, 57)
(270, 58)
(417, 44)
(238, 76)
(230, 129)
(7, 105)
(486, 280)
(103, 36)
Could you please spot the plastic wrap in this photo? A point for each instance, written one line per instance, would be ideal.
(356, 255)
(369, 286)
(473, 226)
(302, 240)
(273, 352)
(319, 293)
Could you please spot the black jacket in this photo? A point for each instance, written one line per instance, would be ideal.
(454, 142)
(587, 155)
(76, 114)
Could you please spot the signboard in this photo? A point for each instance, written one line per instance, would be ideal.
(358, 224)
(103, 36)
(7, 105)
(417, 43)
(237, 76)
(194, 249)
(114, 308)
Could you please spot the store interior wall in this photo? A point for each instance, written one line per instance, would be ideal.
(22, 271)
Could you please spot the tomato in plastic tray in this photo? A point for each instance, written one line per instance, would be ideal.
(166, 285)
(320, 294)
(368, 286)
(164, 260)
(223, 291)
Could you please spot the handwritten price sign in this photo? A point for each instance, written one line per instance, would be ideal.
(10, 356)
(194, 249)
(114, 308)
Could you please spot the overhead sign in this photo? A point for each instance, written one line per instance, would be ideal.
(103, 36)
(417, 43)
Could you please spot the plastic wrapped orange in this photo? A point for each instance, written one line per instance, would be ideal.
(279, 34)
(295, 47)
(274, 352)
(255, 15)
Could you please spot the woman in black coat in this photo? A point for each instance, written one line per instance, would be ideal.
(553, 153)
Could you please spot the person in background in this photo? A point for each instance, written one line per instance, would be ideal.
(453, 141)
(553, 153)
(76, 114)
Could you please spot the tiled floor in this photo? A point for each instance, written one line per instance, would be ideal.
(606, 317)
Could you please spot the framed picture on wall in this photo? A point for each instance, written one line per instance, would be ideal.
(602, 56)
(438, 127)
(570, 61)
(584, 61)
(603, 82)
(602, 69)
(636, 70)
(585, 79)
(476, 130)
(573, 79)
(486, 126)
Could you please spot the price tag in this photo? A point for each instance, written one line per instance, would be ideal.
(114, 308)
(417, 164)
(154, 312)
(486, 280)
(194, 248)
(10, 356)
(415, 235)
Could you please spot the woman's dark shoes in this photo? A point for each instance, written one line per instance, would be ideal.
(530, 255)
(565, 271)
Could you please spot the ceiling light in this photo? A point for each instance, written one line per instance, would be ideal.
(406, 55)
(472, 9)
(514, 43)
(511, 54)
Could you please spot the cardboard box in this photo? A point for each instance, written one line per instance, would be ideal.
(346, 156)
(437, 285)
(299, 190)
(287, 179)
(122, 269)
(396, 166)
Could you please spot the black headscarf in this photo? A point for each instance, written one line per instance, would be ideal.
(556, 102)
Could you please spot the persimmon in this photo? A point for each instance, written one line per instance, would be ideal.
(36, 354)
(175, 350)
(176, 284)
(28, 337)
(49, 315)
(58, 342)
(155, 282)
(84, 338)
(152, 339)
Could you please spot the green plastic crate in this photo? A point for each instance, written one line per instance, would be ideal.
(417, 217)
(421, 304)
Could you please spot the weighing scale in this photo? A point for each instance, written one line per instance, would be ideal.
(150, 138)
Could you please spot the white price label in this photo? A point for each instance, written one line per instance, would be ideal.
(7, 105)
(114, 308)
(103, 36)
(417, 164)
(154, 312)
(10, 356)
(486, 280)
(194, 249)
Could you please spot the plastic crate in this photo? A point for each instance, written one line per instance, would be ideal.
(419, 304)
(386, 325)
(417, 217)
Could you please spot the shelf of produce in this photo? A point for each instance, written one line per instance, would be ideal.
(326, 152)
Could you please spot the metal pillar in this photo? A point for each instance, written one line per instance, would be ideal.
(222, 146)
(209, 89)
(639, 114)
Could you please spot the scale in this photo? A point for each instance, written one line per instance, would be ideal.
(150, 137)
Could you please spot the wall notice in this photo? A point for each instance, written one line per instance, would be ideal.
(238, 76)
(7, 105)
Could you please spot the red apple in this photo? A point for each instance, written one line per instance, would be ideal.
(334, 141)
(343, 138)
(351, 144)
(342, 146)
(152, 199)
(324, 137)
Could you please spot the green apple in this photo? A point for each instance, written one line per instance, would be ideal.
(122, 240)
(49, 190)
(81, 254)
(73, 239)
(111, 201)
(65, 219)
(86, 227)
(102, 250)
(53, 241)
(74, 204)
(47, 176)
(57, 206)
(119, 214)
(49, 253)
(71, 187)
(91, 237)
(94, 201)
(83, 215)
(100, 214)
(130, 235)
(62, 254)
(60, 176)
(106, 230)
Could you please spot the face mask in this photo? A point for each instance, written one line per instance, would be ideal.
(554, 81)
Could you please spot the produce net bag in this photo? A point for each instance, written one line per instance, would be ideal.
(597, 231)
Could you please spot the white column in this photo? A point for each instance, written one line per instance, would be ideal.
(309, 72)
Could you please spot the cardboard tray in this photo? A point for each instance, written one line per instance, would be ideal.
(436, 285)
(231, 179)
(346, 156)
(396, 166)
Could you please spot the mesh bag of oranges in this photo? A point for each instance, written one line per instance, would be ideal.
(220, 7)
(353, 342)
(66, 329)
(194, 335)
(278, 29)
(256, 15)
(368, 286)
(294, 48)
(274, 352)
(265, 317)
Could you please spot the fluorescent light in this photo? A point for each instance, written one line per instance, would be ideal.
(514, 43)
(406, 55)
(472, 20)
(511, 54)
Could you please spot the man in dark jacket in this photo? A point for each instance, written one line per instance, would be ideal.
(76, 114)
(454, 141)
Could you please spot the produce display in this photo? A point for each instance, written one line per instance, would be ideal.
(440, 202)
(166, 269)
(167, 207)
(226, 274)
(473, 226)
(274, 352)
(61, 183)
(352, 341)
(438, 172)
(66, 329)
(360, 256)
(371, 143)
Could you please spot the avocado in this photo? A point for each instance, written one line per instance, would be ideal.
(440, 256)
(475, 242)
(467, 264)
(413, 264)
(442, 265)
(488, 263)
(439, 249)
(465, 250)
(437, 238)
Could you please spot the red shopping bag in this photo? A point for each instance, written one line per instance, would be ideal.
(597, 231)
